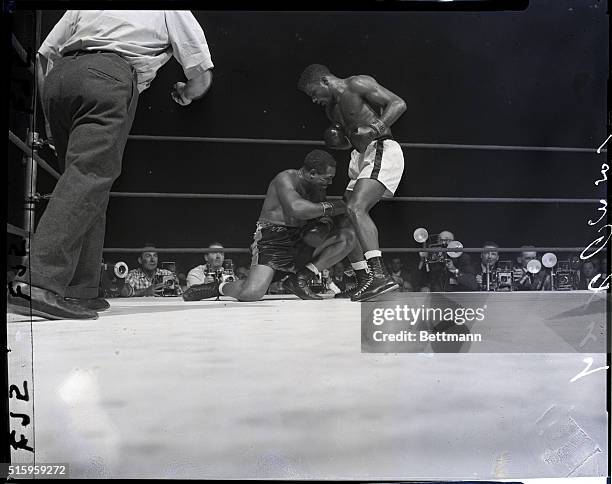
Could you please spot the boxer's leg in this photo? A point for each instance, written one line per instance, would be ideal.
(365, 195)
(380, 176)
(253, 288)
(356, 253)
(355, 256)
(335, 248)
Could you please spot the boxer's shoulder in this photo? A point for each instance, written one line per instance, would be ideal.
(358, 84)
(286, 176)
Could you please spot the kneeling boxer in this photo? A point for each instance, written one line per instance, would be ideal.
(293, 198)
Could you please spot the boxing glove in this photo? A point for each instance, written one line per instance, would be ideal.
(333, 208)
(362, 137)
(335, 138)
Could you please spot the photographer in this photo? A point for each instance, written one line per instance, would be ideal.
(488, 264)
(143, 281)
(205, 273)
(450, 275)
(399, 274)
(525, 280)
(589, 269)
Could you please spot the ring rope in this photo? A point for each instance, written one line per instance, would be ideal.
(188, 195)
(229, 196)
(43, 164)
(21, 52)
(231, 250)
(28, 151)
(488, 249)
(12, 229)
(178, 250)
(447, 146)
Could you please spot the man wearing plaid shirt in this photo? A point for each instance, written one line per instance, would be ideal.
(139, 282)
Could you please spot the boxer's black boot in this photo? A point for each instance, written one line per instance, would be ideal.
(378, 282)
(298, 284)
(197, 292)
(362, 277)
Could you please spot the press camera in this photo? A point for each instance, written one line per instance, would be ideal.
(431, 242)
(566, 274)
(225, 273)
(112, 279)
(170, 282)
(498, 277)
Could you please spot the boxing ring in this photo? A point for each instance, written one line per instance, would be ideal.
(280, 388)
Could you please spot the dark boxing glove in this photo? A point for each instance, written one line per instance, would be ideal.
(335, 138)
(317, 231)
(364, 135)
(335, 207)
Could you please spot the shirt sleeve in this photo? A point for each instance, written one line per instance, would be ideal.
(188, 42)
(131, 282)
(58, 37)
(195, 276)
(130, 279)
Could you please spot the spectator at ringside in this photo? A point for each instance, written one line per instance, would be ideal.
(399, 274)
(589, 269)
(140, 281)
(523, 279)
(488, 263)
(452, 275)
(203, 274)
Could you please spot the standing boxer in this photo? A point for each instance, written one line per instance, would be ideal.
(362, 112)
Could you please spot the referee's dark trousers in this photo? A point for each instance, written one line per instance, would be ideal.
(90, 100)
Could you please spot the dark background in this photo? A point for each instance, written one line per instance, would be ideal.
(533, 77)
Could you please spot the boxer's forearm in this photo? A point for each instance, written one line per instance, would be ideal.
(393, 111)
(305, 210)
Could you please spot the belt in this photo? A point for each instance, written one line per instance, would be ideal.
(84, 52)
(77, 53)
(264, 224)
